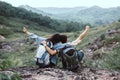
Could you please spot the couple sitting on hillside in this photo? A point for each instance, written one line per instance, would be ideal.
(57, 44)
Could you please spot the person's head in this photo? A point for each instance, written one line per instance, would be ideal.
(55, 38)
(63, 38)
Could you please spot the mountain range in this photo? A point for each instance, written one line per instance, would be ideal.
(94, 15)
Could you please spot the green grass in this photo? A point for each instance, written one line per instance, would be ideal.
(24, 55)
(97, 32)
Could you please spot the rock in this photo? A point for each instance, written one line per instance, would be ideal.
(2, 37)
(114, 74)
(31, 73)
(116, 78)
(10, 73)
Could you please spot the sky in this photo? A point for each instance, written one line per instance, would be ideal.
(65, 3)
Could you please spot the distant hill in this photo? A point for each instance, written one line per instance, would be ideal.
(98, 15)
(94, 15)
(41, 18)
(55, 10)
(34, 10)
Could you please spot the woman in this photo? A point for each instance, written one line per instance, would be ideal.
(55, 38)
(60, 45)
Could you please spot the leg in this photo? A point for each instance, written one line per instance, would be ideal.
(80, 55)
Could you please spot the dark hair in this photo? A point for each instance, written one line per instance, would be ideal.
(63, 38)
(56, 38)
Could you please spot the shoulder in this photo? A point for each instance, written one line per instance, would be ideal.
(58, 45)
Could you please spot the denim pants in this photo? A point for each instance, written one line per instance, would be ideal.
(80, 55)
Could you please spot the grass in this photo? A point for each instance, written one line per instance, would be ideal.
(97, 32)
(24, 55)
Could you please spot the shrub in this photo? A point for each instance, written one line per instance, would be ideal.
(112, 61)
(108, 41)
(5, 32)
(102, 37)
(5, 64)
(4, 76)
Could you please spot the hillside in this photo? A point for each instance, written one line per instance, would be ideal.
(101, 47)
(35, 10)
(17, 58)
(9, 11)
(94, 15)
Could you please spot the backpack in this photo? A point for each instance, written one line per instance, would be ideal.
(69, 58)
(42, 57)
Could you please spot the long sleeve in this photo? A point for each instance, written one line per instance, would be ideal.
(37, 38)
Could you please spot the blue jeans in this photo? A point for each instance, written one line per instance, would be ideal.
(80, 55)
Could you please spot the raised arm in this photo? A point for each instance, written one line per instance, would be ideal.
(37, 38)
(81, 36)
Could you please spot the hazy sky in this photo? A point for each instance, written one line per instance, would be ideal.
(65, 3)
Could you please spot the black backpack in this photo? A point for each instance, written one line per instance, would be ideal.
(69, 58)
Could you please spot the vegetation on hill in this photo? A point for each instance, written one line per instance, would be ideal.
(19, 52)
(16, 50)
(94, 15)
(102, 49)
(8, 11)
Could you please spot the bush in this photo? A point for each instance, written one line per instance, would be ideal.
(4, 76)
(119, 20)
(112, 61)
(5, 32)
(108, 41)
(102, 37)
(117, 38)
(5, 64)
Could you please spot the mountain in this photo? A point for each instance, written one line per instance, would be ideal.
(8, 11)
(94, 15)
(27, 7)
(55, 10)
(98, 15)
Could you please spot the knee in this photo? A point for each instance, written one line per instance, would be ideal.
(80, 55)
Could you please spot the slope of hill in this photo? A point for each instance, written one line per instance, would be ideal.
(35, 10)
(7, 10)
(17, 53)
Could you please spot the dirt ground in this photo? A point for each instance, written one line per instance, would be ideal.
(28, 73)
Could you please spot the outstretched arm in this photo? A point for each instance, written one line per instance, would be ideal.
(81, 36)
(33, 36)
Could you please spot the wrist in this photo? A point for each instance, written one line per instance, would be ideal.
(44, 45)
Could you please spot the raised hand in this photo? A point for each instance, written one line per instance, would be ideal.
(25, 29)
(87, 27)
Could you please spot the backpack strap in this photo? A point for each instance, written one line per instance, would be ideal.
(64, 65)
(42, 58)
(69, 58)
